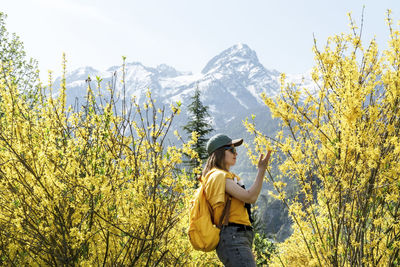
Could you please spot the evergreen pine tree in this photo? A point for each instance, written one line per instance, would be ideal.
(199, 121)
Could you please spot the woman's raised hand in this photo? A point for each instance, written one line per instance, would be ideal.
(263, 161)
(250, 195)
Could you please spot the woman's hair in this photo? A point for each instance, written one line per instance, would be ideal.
(216, 159)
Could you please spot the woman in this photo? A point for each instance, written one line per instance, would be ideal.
(236, 236)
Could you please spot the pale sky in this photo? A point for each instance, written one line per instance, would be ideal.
(185, 34)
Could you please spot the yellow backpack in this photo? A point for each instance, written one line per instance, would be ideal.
(203, 233)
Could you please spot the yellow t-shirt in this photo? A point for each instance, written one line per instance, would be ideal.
(214, 188)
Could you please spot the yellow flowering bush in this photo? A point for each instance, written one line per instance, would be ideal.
(341, 147)
(95, 186)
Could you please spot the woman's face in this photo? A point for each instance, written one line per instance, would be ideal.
(230, 156)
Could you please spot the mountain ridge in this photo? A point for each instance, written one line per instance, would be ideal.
(230, 85)
(235, 74)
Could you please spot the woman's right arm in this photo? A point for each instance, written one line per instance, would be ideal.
(249, 195)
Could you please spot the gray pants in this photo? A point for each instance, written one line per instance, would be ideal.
(234, 247)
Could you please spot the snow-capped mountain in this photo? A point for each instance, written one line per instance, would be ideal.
(230, 85)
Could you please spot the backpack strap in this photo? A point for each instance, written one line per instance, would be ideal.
(224, 220)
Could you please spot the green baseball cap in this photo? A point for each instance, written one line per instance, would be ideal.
(220, 140)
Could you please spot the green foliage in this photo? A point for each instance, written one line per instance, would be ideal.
(263, 249)
(199, 122)
(14, 65)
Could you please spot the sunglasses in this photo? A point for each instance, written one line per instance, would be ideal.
(231, 149)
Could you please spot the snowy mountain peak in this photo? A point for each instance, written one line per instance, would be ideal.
(231, 83)
(243, 51)
(232, 57)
